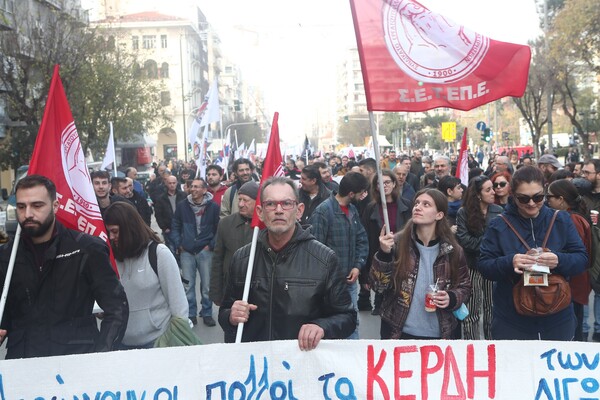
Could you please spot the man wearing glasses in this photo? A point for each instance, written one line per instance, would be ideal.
(590, 171)
(298, 289)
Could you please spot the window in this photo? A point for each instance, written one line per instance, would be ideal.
(151, 69)
(7, 6)
(149, 41)
(135, 42)
(164, 70)
(163, 41)
(165, 98)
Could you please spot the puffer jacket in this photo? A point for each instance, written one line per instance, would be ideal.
(395, 306)
(500, 244)
(49, 313)
(300, 284)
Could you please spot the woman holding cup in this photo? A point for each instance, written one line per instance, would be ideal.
(422, 273)
(504, 258)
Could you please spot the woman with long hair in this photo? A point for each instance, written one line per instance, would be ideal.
(501, 185)
(472, 219)
(422, 274)
(563, 195)
(154, 296)
(399, 212)
(504, 258)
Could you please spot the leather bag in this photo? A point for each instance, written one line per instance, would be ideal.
(539, 301)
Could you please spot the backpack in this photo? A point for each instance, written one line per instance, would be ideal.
(153, 260)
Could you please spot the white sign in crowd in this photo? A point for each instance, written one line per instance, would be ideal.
(364, 369)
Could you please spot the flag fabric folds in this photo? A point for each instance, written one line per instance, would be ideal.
(462, 167)
(414, 59)
(272, 165)
(207, 113)
(58, 156)
(109, 154)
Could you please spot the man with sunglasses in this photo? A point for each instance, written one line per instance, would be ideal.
(298, 289)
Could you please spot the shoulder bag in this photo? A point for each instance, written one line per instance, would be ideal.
(538, 301)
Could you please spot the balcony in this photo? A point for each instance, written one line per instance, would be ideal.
(56, 4)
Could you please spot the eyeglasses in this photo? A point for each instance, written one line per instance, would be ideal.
(524, 199)
(500, 184)
(387, 183)
(285, 204)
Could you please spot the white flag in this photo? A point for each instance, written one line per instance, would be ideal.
(109, 154)
(207, 113)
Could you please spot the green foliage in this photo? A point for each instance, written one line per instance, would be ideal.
(99, 81)
(354, 131)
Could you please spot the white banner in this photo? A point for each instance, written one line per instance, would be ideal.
(365, 369)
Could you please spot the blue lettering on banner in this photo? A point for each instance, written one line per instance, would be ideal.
(162, 393)
(561, 388)
(252, 388)
(344, 389)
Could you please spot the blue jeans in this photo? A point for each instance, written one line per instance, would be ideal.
(596, 312)
(353, 290)
(189, 264)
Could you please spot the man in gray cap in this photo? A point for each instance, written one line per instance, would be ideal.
(549, 165)
(233, 232)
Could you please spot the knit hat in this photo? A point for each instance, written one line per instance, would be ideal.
(250, 189)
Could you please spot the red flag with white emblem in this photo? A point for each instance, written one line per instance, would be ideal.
(462, 170)
(414, 59)
(271, 166)
(58, 156)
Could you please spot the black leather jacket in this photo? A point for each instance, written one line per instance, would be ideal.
(300, 284)
(49, 313)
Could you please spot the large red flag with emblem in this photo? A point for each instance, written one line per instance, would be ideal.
(272, 165)
(58, 156)
(414, 59)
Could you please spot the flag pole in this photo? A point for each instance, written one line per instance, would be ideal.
(113, 149)
(9, 270)
(246, 294)
(386, 219)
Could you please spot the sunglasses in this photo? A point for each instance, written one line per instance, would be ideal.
(524, 199)
(500, 184)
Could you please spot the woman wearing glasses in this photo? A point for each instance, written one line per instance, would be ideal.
(563, 195)
(472, 219)
(422, 274)
(501, 185)
(504, 259)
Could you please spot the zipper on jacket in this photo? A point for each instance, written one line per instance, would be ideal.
(271, 295)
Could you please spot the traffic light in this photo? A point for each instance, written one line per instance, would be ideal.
(488, 134)
(483, 136)
(346, 119)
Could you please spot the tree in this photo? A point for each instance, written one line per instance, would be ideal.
(533, 105)
(355, 130)
(99, 80)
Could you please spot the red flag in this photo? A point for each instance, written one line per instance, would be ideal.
(414, 59)
(58, 156)
(271, 166)
(462, 168)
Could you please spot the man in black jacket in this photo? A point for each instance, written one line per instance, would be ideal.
(124, 187)
(58, 274)
(312, 191)
(308, 299)
(165, 208)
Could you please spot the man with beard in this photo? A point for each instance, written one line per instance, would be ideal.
(243, 169)
(214, 176)
(58, 274)
(549, 165)
(124, 187)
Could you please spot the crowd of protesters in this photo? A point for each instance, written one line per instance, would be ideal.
(443, 266)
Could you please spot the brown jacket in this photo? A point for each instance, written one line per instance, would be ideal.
(395, 307)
